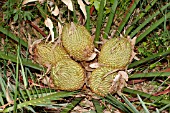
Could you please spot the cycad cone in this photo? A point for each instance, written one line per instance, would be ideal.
(116, 53)
(68, 75)
(100, 81)
(45, 54)
(77, 41)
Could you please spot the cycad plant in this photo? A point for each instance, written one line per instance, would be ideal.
(29, 85)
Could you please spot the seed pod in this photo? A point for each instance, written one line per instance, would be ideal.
(46, 54)
(77, 42)
(101, 80)
(68, 75)
(116, 53)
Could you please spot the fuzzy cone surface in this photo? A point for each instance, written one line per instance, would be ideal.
(116, 53)
(77, 41)
(68, 75)
(46, 54)
(100, 81)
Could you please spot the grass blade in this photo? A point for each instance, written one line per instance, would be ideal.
(25, 62)
(97, 106)
(156, 98)
(99, 21)
(71, 105)
(152, 27)
(120, 28)
(117, 104)
(166, 106)
(88, 18)
(74, 14)
(148, 20)
(130, 104)
(12, 36)
(23, 74)
(148, 7)
(143, 104)
(148, 59)
(3, 84)
(31, 109)
(147, 75)
(16, 81)
(42, 12)
(46, 99)
(1, 99)
(30, 94)
(111, 16)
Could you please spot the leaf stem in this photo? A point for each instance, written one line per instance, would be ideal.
(152, 27)
(131, 91)
(99, 21)
(148, 7)
(25, 62)
(88, 18)
(148, 75)
(146, 60)
(120, 28)
(12, 36)
(110, 20)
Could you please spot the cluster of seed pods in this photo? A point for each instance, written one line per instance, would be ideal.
(77, 46)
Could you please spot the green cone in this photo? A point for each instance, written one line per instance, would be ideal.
(77, 41)
(100, 80)
(116, 53)
(46, 54)
(68, 75)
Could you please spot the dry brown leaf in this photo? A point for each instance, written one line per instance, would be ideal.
(8, 98)
(50, 3)
(119, 82)
(94, 65)
(96, 50)
(60, 29)
(133, 54)
(31, 46)
(93, 56)
(46, 80)
(69, 4)
(133, 41)
(56, 11)
(29, 40)
(162, 92)
(83, 8)
(27, 1)
(49, 24)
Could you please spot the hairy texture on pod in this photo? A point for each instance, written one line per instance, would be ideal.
(46, 54)
(77, 41)
(68, 75)
(100, 80)
(116, 53)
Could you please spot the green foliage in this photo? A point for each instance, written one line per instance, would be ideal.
(108, 3)
(13, 10)
(155, 44)
(71, 105)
